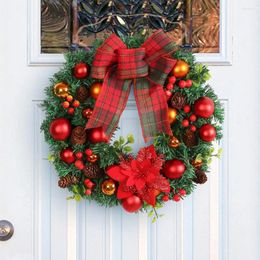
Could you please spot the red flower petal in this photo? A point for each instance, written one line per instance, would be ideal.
(149, 197)
(121, 193)
(114, 172)
(139, 184)
(152, 151)
(130, 181)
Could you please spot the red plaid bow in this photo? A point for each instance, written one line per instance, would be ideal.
(147, 67)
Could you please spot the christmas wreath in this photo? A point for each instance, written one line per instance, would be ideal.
(177, 110)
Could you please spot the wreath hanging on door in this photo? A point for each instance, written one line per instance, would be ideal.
(177, 110)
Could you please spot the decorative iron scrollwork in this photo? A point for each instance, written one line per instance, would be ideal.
(127, 17)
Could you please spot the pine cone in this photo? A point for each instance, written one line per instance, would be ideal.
(201, 177)
(178, 101)
(190, 139)
(78, 135)
(68, 180)
(82, 94)
(93, 171)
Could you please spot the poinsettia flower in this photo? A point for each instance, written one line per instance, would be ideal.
(140, 176)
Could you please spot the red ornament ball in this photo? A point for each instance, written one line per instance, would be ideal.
(182, 192)
(97, 135)
(88, 152)
(182, 83)
(60, 129)
(87, 113)
(186, 108)
(79, 164)
(204, 107)
(172, 80)
(70, 110)
(69, 98)
(193, 118)
(89, 184)
(75, 103)
(65, 104)
(168, 94)
(176, 197)
(132, 203)
(81, 70)
(174, 169)
(207, 133)
(185, 123)
(169, 86)
(188, 83)
(79, 155)
(193, 128)
(165, 198)
(88, 192)
(67, 156)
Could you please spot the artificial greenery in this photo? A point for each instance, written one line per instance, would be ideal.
(111, 153)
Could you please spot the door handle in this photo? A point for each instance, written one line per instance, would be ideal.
(6, 230)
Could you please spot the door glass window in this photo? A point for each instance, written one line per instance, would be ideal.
(192, 23)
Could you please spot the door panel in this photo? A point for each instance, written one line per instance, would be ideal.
(70, 230)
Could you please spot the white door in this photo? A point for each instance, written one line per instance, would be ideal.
(221, 221)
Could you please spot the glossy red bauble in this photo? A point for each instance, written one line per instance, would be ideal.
(79, 164)
(204, 107)
(186, 109)
(207, 133)
(97, 135)
(81, 70)
(60, 129)
(132, 203)
(176, 197)
(182, 192)
(174, 169)
(67, 156)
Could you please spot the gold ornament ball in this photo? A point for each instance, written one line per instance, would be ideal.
(95, 89)
(172, 114)
(108, 187)
(61, 89)
(87, 112)
(197, 163)
(174, 142)
(181, 69)
(92, 158)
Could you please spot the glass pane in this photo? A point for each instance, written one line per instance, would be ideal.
(189, 22)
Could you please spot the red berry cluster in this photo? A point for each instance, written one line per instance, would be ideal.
(79, 161)
(185, 83)
(176, 197)
(179, 82)
(79, 164)
(191, 119)
(70, 105)
(170, 84)
(89, 186)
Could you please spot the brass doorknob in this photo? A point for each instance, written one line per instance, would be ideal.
(6, 230)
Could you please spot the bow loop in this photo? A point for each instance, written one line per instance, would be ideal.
(106, 56)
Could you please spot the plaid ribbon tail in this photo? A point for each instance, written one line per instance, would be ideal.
(110, 104)
(152, 109)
